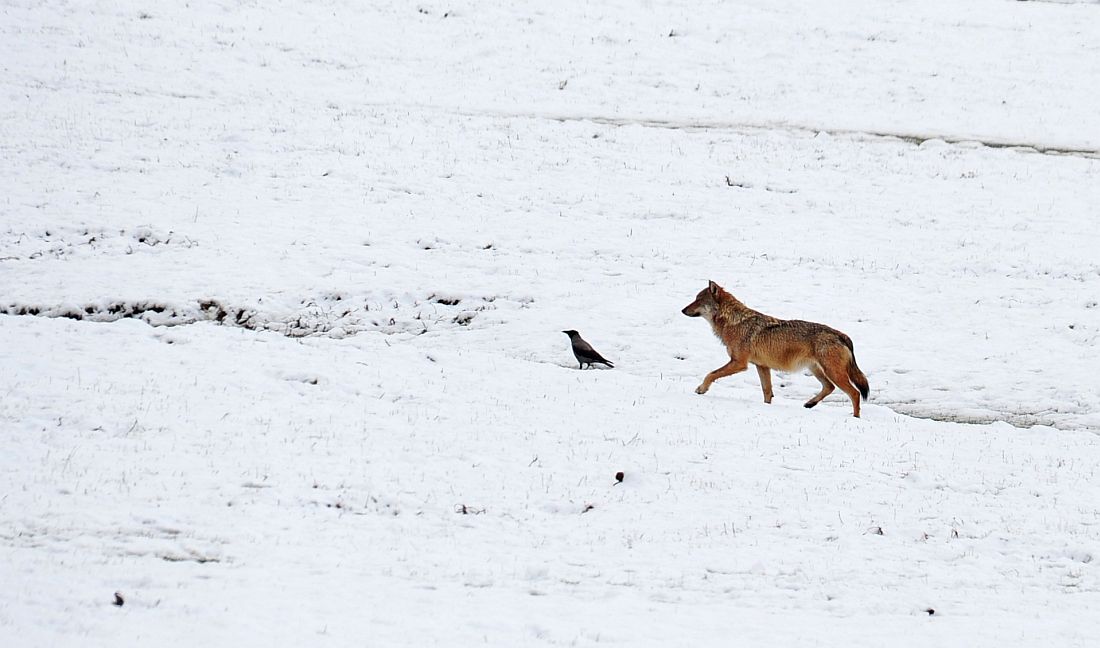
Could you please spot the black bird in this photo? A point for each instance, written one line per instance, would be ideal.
(584, 352)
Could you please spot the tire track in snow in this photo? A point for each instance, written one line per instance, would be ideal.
(911, 137)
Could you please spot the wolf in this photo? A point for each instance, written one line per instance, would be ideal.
(785, 345)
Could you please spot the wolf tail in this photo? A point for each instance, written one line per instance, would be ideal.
(854, 374)
(857, 378)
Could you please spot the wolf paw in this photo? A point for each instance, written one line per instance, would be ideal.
(701, 389)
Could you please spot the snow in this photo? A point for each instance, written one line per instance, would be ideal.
(282, 289)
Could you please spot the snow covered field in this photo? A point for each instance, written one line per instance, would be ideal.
(282, 289)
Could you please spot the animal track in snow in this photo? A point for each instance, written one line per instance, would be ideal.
(57, 242)
(329, 315)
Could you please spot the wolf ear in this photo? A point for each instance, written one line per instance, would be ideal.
(713, 288)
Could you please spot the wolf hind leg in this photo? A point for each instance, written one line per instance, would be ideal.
(836, 368)
(826, 385)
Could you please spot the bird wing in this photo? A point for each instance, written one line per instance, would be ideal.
(580, 346)
(583, 348)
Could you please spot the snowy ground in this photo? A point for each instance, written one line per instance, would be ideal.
(282, 292)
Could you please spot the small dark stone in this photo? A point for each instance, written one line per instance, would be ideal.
(119, 601)
(619, 476)
(930, 611)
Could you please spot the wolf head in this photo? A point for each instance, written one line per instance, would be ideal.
(706, 302)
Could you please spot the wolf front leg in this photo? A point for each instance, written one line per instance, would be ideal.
(765, 382)
(735, 365)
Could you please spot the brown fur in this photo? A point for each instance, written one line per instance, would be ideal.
(752, 337)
